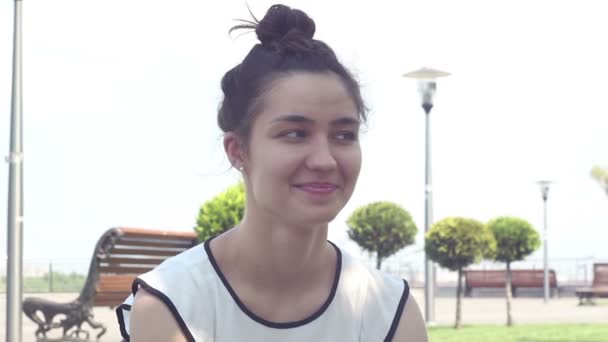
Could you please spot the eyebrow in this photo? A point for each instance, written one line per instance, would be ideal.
(345, 120)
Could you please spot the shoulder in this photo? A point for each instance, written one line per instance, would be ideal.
(196, 255)
(378, 286)
(388, 309)
(166, 293)
(185, 271)
(151, 320)
(411, 326)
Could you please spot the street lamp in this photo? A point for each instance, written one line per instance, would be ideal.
(544, 189)
(14, 291)
(427, 87)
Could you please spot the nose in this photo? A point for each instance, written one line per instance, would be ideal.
(321, 156)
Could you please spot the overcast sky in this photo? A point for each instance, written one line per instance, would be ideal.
(120, 102)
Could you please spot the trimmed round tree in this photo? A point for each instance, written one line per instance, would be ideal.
(455, 243)
(382, 228)
(221, 213)
(515, 240)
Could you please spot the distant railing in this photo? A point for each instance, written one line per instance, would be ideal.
(68, 275)
(44, 275)
(569, 271)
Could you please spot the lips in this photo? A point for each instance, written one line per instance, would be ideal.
(320, 188)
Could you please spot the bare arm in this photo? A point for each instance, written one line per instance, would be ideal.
(411, 325)
(151, 320)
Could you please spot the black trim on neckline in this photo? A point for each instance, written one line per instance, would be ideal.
(397, 318)
(276, 325)
(156, 293)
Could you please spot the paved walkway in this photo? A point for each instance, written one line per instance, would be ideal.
(474, 311)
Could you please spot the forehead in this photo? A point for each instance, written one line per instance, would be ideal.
(320, 96)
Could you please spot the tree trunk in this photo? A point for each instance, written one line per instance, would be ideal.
(508, 289)
(458, 299)
(378, 260)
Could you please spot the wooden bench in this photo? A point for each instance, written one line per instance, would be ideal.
(497, 279)
(599, 287)
(120, 255)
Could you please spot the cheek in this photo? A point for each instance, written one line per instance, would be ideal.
(351, 163)
(274, 162)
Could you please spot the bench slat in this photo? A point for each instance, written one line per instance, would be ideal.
(497, 278)
(114, 288)
(125, 269)
(116, 277)
(144, 252)
(155, 243)
(600, 275)
(127, 260)
(111, 299)
(116, 284)
(122, 281)
(141, 232)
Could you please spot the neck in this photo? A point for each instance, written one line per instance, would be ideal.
(277, 256)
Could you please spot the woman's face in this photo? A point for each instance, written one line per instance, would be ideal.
(303, 157)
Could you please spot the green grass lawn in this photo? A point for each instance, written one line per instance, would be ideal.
(522, 333)
(62, 282)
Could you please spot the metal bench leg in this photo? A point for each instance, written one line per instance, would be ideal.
(96, 325)
(586, 299)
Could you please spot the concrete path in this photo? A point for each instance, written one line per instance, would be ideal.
(474, 311)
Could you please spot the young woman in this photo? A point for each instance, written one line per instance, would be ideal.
(291, 115)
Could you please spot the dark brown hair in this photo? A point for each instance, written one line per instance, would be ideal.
(286, 46)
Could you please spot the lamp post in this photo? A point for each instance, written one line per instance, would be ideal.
(427, 87)
(14, 262)
(544, 189)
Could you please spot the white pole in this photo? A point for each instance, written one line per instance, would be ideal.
(545, 260)
(544, 188)
(429, 277)
(14, 291)
(427, 86)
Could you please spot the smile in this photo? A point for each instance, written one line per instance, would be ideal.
(317, 188)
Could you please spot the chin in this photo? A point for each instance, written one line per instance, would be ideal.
(319, 216)
(309, 213)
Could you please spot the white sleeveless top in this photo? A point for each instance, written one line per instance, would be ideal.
(364, 304)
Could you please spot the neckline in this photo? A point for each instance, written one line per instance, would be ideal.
(270, 324)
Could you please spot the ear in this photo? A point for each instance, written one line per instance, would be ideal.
(234, 150)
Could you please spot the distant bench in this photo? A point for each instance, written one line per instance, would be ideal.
(121, 254)
(497, 279)
(599, 287)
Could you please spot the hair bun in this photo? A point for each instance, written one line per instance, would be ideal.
(282, 22)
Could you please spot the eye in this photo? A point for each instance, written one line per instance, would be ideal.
(347, 135)
(294, 134)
